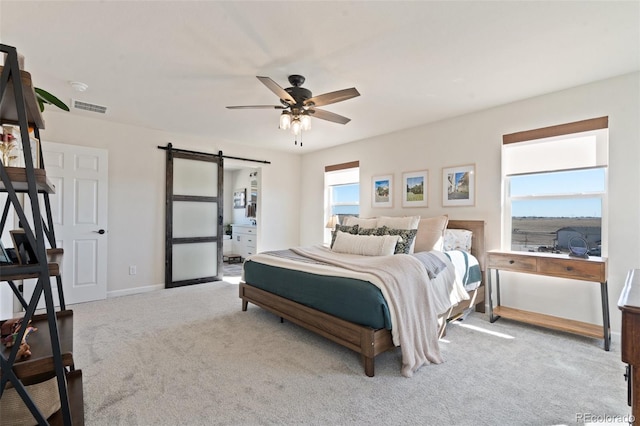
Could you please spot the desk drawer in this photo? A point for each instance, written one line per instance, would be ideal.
(566, 268)
(509, 262)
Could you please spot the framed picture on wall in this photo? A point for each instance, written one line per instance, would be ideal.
(459, 186)
(382, 194)
(239, 198)
(415, 189)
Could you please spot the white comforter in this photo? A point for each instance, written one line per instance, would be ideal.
(415, 301)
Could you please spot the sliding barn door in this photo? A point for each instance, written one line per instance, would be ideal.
(194, 218)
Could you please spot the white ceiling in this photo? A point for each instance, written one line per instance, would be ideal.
(175, 65)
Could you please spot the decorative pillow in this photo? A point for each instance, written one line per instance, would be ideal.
(404, 222)
(430, 234)
(368, 231)
(407, 236)
(365, 245)
(343, 228)
(457, 239)
(362, 223)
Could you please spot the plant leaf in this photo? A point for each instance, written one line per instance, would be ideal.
(47, 97)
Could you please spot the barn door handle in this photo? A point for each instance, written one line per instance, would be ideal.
(100, 231)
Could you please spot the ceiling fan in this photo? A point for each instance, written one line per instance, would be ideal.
(299, 104)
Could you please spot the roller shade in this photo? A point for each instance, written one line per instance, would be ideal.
(581, 150)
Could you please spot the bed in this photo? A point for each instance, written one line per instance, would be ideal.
(362, 336)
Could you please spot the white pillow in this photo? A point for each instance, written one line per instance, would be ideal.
(365, 245)
(362, 223)
(457, 239)
(404, 222)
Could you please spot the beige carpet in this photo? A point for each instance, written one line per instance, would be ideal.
(190, 356)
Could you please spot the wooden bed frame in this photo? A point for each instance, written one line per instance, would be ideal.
(364, 340)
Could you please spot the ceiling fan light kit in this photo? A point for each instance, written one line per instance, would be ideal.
(297, 123)
(299, 104)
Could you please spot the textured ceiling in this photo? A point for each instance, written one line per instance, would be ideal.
(175, 65)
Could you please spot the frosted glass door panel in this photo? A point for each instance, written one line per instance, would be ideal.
(192, 261)
(195, 178)
(194, 219)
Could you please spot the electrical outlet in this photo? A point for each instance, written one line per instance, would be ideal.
(133, 269)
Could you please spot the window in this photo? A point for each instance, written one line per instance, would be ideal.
(342, 189)
(344, 200)
(555, 190)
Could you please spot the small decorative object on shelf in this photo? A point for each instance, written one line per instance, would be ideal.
(8, 147)
(578, 247)
(12, 148)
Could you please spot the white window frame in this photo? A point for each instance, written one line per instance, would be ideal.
(597, 158)
(341, 174)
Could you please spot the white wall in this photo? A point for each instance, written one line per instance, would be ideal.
(477, 138)
(136, 192)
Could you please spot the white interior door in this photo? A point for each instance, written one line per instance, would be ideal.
(79, 212)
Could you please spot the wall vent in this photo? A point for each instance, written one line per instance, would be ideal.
(86, 106)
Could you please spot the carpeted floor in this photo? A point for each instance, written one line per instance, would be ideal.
(231, 269)
(190, 356)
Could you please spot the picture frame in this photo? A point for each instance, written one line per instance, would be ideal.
(22, 247)
(415, 189)
(382, 191)
(34, 143)
(35, 152)
(240, 198)
(459, 186)
(4, 256)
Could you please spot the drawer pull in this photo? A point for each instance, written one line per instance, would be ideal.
(511, 262)
(569, 268)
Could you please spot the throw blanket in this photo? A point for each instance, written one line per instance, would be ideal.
(432, 262)
(467, 268)
(411, 299)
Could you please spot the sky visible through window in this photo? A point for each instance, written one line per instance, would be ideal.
(591, 181)
(345, 199)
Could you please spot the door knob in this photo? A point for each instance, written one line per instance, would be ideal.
(101, 231)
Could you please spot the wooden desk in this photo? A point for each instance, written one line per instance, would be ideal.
(629, 304)
(593, 269)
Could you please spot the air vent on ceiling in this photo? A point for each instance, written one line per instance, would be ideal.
(86, 106)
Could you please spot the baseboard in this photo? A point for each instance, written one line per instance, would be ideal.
(136, 290)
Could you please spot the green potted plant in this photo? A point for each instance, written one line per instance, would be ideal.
(45, 97)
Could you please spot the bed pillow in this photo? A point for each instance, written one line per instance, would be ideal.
(370, 223)
(457, 239)
(430, 234)
(402, 222)
(365, 245)
(343, 228)
(407, 237)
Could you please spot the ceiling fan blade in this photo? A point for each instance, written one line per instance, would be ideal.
(256, 107)
(332, 97)
(275, 88)
(329, 116)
